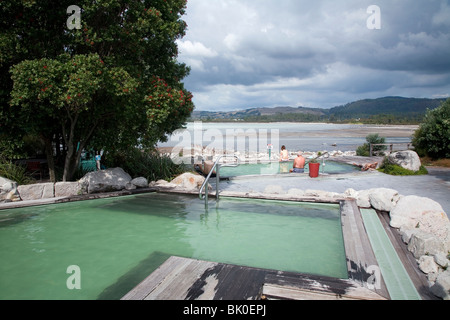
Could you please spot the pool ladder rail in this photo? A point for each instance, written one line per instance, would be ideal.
(216, 167)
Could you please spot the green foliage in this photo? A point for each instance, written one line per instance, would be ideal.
(112, 84)
(364, 150)
(148, 164)
(396, 170)
(14, 172)
(433, 136)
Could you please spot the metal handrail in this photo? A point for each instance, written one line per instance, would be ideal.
(320, 156)
(323, 159)
(205, 183)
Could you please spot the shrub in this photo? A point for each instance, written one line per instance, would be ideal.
(374, 138)
(14, 172)
(139, 163)
(396, 170)
(433, 136)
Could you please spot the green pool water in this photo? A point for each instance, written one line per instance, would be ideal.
(117, 242)
(330, 167)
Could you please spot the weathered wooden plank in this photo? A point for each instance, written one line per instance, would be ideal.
(358, 250)
(176, 284)
(188, 279)
(167, 271)
(240, 283)
(272, 292)
(305, 287)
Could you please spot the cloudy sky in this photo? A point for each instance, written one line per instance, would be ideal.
(323, 53)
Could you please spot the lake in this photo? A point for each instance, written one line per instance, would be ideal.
(242, 136)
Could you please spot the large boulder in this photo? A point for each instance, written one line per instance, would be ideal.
(383, 199)
(189, 181)
(140, 182)
(413, 212)
(67, 189)
(406, 159)
(112, 179)
(36, 191)
(362, 198)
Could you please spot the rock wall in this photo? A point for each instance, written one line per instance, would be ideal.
(94, 182)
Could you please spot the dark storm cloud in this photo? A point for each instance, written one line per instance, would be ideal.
(250, 53)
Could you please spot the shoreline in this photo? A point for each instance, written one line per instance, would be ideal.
(358, 131)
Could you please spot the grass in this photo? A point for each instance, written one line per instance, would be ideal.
(427, 161)
(15, 172)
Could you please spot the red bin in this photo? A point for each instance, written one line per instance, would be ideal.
(314, 169)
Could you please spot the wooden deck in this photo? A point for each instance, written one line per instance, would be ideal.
(188, 279)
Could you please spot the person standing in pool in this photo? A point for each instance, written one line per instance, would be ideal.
(299, 163)
(284, 155)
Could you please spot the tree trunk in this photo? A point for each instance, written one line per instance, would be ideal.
(50, 159)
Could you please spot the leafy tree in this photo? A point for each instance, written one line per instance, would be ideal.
(112, 84)
(433, 136)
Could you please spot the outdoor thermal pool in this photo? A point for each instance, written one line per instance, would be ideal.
(267, 168)
(117, 242)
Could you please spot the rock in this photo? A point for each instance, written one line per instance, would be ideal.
(130, 186)
(322, 194)
(36, 191)
(406, 234)
(427, 264)
(407, 159)
(413, 212)
(7, 185)
(432, 276)
(140, 182)
(351, 193)
(441, 287)
(409, 210)
(67, 189)
(424, 243)
(383, 199)
(12, 196)
(112, 179)
(362, 199)
(162, 183)
(189, 181)
(8, 190)
(441, 260)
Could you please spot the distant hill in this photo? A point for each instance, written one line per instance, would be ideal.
(381, 110)
(254, 113)
(395, 106)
